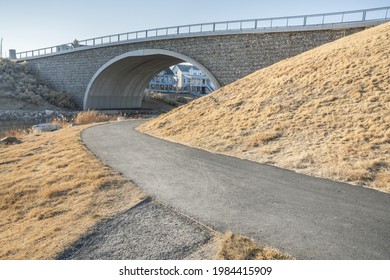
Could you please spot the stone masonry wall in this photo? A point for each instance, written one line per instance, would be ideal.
(227, 57)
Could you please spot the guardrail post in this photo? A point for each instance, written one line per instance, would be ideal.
(364, 15)
(256, 24)
(214, 27)
(304, 20)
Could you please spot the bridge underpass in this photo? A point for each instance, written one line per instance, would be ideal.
(121, 82)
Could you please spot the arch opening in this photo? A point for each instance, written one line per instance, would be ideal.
(121, 82)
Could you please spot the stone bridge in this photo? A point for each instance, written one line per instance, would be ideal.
(112, 72)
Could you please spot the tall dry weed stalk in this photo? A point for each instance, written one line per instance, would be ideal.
(91, 116)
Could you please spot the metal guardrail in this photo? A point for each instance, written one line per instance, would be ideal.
(263, 24)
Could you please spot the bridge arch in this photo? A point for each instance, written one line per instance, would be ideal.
(120, 83)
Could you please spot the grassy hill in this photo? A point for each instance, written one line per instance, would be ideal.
(21, 89)
(325, 113)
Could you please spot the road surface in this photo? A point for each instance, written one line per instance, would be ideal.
(307, 217)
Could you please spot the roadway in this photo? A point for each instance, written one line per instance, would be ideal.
(307, 217)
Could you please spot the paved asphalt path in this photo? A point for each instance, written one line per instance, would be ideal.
(308, 217)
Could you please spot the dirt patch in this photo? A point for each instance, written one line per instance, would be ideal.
(149, 231)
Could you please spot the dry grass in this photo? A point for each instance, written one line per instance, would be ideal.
(15, 132)
(169, 98)
(92, 116)
(85, 117)
(52, 191)
(238, 247)
(324, 113)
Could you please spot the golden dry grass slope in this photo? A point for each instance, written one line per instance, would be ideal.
(52, 191)
(325, 113)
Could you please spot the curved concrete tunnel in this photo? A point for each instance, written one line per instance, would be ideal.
(121, 82)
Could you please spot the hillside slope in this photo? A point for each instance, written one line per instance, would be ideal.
(325, 113)
(20, 89)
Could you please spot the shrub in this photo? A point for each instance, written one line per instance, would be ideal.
(61, 99)
(91, 116)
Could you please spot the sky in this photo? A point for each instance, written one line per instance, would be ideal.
(27, 25)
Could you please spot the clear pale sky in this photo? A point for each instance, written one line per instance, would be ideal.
(26, 24)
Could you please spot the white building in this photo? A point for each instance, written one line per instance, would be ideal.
(191, 79)
(165, 81)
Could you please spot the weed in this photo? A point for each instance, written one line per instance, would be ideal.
(237, 247)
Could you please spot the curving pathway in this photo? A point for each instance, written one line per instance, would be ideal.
(308, 217)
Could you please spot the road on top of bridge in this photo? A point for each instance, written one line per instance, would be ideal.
(307, 217)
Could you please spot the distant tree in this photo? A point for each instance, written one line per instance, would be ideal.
(75, 44)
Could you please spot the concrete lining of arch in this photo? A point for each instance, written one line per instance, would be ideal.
(120, 83)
